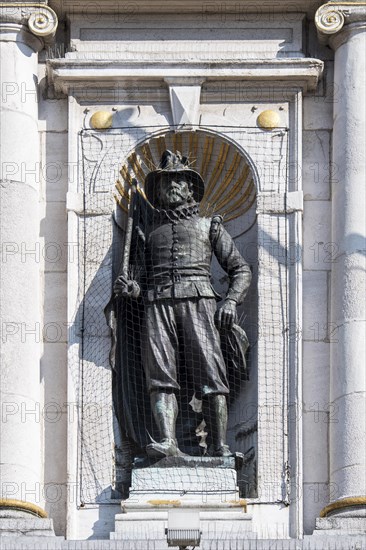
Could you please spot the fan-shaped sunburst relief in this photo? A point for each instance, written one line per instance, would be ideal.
(229, 186)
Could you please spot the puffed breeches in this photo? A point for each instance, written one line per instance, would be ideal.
(180, 335)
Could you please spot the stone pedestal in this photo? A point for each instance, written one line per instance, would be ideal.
(206, 486)
(344, 526)
(16, 524)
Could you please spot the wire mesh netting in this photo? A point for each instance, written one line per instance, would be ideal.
(185, 247)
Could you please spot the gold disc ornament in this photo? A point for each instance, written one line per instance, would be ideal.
(101, 120)
(268, 120)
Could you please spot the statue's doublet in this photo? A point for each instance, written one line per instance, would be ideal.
(178, 252)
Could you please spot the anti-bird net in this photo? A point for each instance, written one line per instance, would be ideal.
(165, 351)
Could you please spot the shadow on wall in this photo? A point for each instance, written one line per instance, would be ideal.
(105, 523)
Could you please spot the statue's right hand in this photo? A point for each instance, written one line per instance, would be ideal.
(126, 287)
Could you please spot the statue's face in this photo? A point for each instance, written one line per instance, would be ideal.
(174, 190)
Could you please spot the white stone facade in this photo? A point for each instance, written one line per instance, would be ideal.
(210, 68)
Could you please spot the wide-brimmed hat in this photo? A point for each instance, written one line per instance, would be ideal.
(171, 164)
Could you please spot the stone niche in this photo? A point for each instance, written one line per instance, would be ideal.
(230, 191)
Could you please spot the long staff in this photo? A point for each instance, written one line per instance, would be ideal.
(125, 262)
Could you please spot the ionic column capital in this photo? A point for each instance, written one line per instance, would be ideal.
(35, 22)
(336, 21)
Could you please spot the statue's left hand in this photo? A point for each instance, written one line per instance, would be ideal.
(226, 316)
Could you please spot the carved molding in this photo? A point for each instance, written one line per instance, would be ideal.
(77, 74)
(343, 503)
(22, 506)
(221, 11)
(35, 18)
(332, 18)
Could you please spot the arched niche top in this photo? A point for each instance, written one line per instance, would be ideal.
(230, 188)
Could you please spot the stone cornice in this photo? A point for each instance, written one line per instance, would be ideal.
(335, 21)
(223, 10)
(73, 73)
(35, 22)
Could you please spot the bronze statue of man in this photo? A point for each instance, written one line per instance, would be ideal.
(182, 324)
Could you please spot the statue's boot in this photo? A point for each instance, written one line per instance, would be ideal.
(214, 408)
(165, 410)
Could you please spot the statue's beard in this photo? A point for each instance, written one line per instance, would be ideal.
(174, 197)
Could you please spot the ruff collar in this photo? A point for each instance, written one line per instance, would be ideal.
(180, 213)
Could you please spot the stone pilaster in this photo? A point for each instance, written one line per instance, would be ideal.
(24, 28)
(343, 26)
